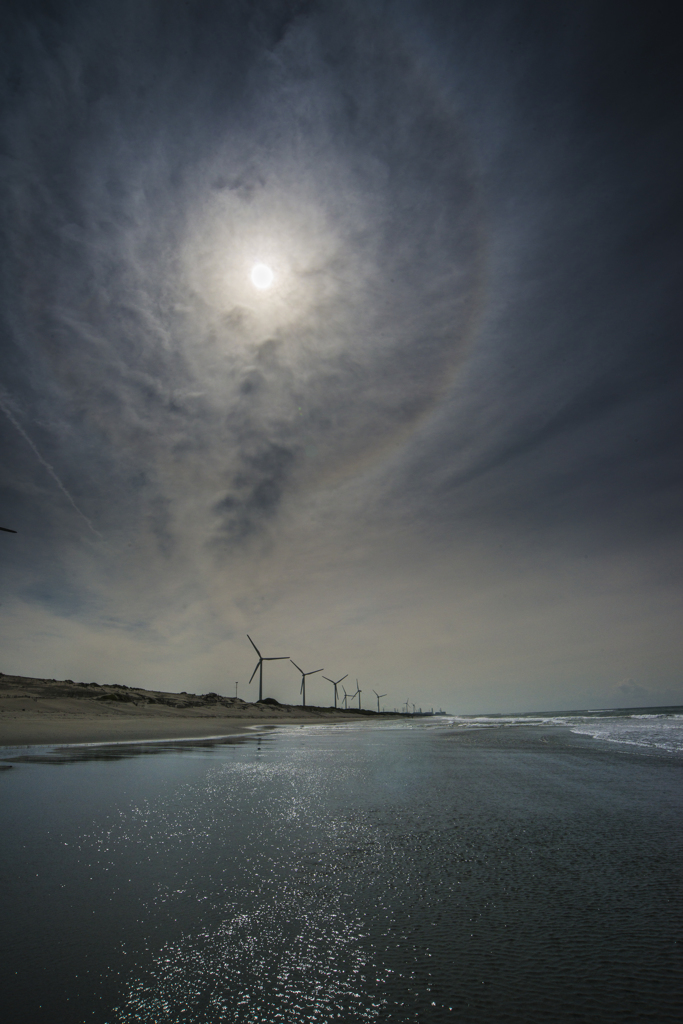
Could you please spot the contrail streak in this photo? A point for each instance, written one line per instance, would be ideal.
(15, 423)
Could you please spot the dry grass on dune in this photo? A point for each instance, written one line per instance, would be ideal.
(61, 710)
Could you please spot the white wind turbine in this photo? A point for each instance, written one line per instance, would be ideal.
(378, 695)
(259, 666)
(336, 685)
(303, 679)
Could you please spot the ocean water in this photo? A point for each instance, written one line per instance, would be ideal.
(653, 728)
(480, 870)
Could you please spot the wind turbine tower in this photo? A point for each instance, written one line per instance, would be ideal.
(336, 685)
(378, 695)
(303, 679)
(259, 666)
(357, 694)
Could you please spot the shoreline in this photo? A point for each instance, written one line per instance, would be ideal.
(51, 712)
(91, 733)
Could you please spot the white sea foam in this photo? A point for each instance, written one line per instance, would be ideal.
(662, 731)
(654, 729)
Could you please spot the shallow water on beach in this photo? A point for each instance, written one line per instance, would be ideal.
(430, 872)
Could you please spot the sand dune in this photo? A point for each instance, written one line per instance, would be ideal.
(36, 711)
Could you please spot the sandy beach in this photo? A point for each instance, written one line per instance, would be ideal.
(43, 711)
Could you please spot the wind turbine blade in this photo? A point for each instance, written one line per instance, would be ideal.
(314, 672)
(330, 680)
(375, 693)
(296, 666)
(255, 671)
(343, 678)
(282, 657)
(253, 645)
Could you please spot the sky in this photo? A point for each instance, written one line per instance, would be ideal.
(442, 452)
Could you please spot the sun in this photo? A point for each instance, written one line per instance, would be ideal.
(261, 276)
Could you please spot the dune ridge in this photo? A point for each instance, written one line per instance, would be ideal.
(43, 711)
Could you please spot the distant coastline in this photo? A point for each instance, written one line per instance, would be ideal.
(45, 711)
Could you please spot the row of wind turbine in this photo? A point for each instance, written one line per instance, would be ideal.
(304, 675)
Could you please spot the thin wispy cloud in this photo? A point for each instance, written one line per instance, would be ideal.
(468, 341)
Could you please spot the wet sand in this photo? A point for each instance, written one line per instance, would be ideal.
(44, 711)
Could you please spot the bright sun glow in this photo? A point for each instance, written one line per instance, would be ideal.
(261, 276)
